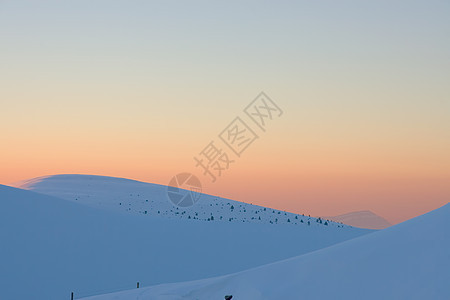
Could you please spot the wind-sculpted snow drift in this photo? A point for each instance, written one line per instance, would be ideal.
(407, 261)
(50, 246)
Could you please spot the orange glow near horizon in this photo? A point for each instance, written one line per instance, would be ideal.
(137, 91)
(322, 181)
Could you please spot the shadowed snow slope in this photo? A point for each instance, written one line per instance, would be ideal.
(407, 261)
(135, 197)
(50, 247)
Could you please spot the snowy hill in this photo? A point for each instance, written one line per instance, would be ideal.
(50, 247)
(362, 219)
(125, 195)
(407, 261)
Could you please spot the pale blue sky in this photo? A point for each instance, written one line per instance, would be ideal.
(364, 77)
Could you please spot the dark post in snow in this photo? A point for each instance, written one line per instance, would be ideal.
(137, 285)
(71, 296)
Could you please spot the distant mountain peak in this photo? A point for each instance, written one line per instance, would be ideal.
(362, 219)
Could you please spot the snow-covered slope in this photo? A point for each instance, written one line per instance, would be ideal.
(50, 247)
(120, 194)
(362, 219)
(407, 261)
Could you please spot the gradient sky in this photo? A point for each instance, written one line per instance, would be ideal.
(136, 89)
